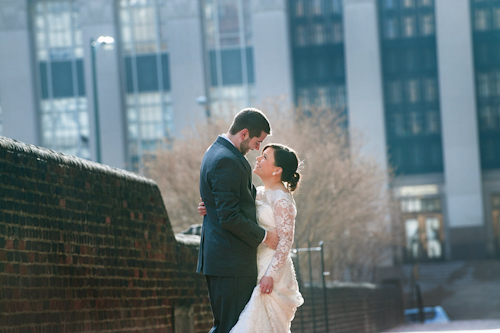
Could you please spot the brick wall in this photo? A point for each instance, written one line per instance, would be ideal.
(85, 247)
(360, 308)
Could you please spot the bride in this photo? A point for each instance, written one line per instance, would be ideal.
(276, 297)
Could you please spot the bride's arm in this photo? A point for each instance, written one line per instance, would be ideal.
(284, 215)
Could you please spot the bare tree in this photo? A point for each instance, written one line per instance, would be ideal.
(177, 172)
(343, 199)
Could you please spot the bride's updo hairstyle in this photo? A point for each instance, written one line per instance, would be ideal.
(286, 158)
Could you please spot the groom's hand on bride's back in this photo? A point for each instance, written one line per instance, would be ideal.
(202, 210)
(272, 239)
(272, 236)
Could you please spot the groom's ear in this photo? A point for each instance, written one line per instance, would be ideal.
(244, 133)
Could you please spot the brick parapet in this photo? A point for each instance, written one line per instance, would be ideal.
(87, 247)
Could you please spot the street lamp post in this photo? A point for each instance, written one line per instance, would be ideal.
(94, 45)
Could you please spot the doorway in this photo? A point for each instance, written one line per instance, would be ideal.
(423, 229)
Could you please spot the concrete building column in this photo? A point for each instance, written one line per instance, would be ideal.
(364, 77)
(462, 166)
(17, 76)
(97, 19)
(272, 51)
(185, 48)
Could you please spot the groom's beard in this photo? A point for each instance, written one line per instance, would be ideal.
(245, 146)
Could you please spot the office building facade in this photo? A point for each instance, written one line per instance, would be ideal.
(422, 85)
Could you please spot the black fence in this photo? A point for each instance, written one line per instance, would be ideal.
(343, 307)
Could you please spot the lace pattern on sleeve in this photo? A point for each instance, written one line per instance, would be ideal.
(284, 215)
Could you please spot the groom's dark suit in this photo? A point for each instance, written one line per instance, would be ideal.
(230, 233)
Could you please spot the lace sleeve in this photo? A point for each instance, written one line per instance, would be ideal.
(284, 215)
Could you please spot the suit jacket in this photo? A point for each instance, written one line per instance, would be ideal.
(230, 233)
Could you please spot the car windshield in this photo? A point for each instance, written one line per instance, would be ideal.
(415, 317)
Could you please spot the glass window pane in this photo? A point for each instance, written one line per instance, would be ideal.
(427, 24)
(481, 19)
(412, 237)
(409, 28)
(433, 238)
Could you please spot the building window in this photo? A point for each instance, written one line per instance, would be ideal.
(489, 118)
(299, 8)
(424, 3)
(432, 122)
(482, 19)
(411, 89)
(399, 124)
(60, 78)
(427, 24)
(430, 90)
(229, 46)
(415, 123)
(300, 36)
(484, 84)
(420, 205)
(318, 55)
(316, 7)
(146, 64)
(391, 28)
(338, 33)
(409, 27)
(319, 34)
(389, 4)
(486, 22)
(336, 6)
(395, 92)
(409, 3)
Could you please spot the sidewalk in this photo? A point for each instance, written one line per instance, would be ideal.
(457, 326)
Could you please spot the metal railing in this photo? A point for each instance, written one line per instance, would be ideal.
(309, 251)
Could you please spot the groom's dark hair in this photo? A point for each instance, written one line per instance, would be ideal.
(253, 120)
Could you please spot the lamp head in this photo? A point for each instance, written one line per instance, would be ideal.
(105, 40)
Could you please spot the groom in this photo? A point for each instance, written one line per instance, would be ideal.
(230, 233)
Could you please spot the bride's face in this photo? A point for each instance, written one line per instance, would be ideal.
(264, 167)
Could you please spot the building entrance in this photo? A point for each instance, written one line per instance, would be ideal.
(423, 229)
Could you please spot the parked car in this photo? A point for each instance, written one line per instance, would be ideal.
(194, 229)
(434, 314)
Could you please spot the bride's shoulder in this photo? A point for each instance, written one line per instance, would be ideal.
(282, 194)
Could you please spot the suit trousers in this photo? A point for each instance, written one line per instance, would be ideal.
(228, 297)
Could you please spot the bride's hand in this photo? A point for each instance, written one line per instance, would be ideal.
(202, 210)
(266, 285)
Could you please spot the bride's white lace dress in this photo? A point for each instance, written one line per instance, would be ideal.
(273, 312)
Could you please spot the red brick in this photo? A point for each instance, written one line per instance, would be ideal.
(9, 244)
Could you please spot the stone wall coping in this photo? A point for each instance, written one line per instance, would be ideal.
(73, 161)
